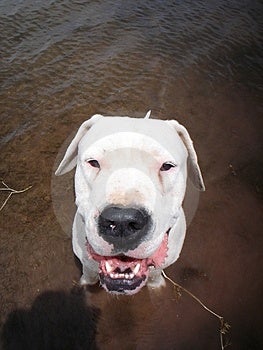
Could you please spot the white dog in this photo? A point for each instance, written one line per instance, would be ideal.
(130, 183)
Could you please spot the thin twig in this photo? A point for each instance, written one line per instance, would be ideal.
(224, 326)
(12, 191)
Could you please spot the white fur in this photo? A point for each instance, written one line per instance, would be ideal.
(130, 152)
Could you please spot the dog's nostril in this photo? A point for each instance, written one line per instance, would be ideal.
(134, 226)
(138, 223)
(119, 222)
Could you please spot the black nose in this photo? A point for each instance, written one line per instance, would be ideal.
(123, 225)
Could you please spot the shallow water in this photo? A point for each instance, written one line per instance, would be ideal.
(199, 62)
(70, 57)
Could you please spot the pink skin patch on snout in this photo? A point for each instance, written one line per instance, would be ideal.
(126, 275)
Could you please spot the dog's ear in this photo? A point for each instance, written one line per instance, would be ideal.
(194, 171)
(70, 158)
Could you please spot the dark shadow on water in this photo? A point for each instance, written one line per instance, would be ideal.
(56, 321)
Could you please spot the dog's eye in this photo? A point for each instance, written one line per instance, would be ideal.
(93, 162)
(167, 166)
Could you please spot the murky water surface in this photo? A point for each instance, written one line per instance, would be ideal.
(63, 57)
(197, 61)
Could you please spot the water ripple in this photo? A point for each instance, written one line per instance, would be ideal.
(62, 53)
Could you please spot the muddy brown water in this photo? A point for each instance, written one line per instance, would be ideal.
(198, 62)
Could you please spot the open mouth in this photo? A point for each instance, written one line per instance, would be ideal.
(122, 274)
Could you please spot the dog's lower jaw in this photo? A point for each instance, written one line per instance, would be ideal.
(91, 277)
(155, 281)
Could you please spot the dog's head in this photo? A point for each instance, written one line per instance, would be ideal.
(130, 183)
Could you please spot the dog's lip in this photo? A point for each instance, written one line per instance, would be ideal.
(124, 274)
(156, 259)
(122, 285)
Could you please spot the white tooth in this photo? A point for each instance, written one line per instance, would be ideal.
(127, 276)
(112, 275)
(109, 268)
(131, 275)
(121, 275)
(137, 268)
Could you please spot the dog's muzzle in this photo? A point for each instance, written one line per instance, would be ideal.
(123, 227)
(126, 228)
(121, 274)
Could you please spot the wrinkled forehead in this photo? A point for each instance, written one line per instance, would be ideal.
(152, 136)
